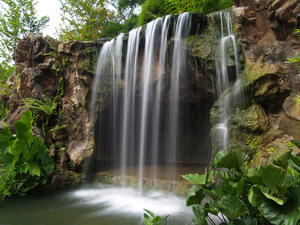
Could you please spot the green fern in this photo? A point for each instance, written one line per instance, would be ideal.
(293, 60)
(59, 127)
(47, 106)
(204, 6)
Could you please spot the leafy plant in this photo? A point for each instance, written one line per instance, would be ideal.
(151, 219)
(24, 159)
(47, 106)
(58, 127)
(17, 19)
(266, 195)
(3, 111)
(151, 9)
(205, 6)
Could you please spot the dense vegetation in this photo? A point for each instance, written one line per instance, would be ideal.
(17, 19)
(266, 195)
(24, 159)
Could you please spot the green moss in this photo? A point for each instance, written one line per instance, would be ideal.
(297, 99)
(201, 46)
(271, 150)
(253, 71)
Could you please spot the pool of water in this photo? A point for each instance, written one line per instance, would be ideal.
(97, 205)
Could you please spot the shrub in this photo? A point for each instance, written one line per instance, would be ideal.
(24, 159)
(247, 196)
(151, 9)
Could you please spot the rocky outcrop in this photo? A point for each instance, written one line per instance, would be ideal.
(269, 117)
(60, 74)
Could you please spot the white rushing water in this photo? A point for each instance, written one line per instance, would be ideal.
(123, 200)
(178, 69)
(156, 116)
(129, 101)
(227, 43)
(148, 70)
(134, 93)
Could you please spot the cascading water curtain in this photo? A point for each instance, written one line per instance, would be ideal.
(227, 43)
(129, 95)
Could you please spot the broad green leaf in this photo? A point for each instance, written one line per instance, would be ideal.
(255, 196)
(267, 193)
(273, 177)
(195, 195)
(33, 168)
(282, 160)
(21, 147)
(277, 214)
(23, 127)
(292, 217)
(232, 207)
(231, 174)
(230, 159)
(244, 221)
(296, 143)
(195, 178)
(293, 172)
(238, 187)
(254, 176)
(199, 215)
(199, 179)
(294, 165)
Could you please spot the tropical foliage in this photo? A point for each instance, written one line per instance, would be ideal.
(92, 19)
(17, 19)
(239, 195)
(152, 9)
(24, 159)
(205, 6)
(152, 219)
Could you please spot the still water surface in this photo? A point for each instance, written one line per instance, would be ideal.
(94, 206)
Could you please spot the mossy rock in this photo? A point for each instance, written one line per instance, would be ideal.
(87, 61)
(253, 119)
(254, 71)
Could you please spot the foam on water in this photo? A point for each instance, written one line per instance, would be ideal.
(131, 201)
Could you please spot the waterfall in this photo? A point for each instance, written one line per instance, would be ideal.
(227, 43)
(157, 102)
(136, 101)
(148, 69)
(129, 102)
(178, 69)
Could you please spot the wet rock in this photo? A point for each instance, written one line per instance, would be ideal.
(269, 119)
(253, 118)
(45, 67)
(291, 106)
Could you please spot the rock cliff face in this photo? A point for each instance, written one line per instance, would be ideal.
(63, 73)
(270, 115)
(268, 120)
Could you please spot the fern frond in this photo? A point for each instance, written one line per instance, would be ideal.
(47, 106)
